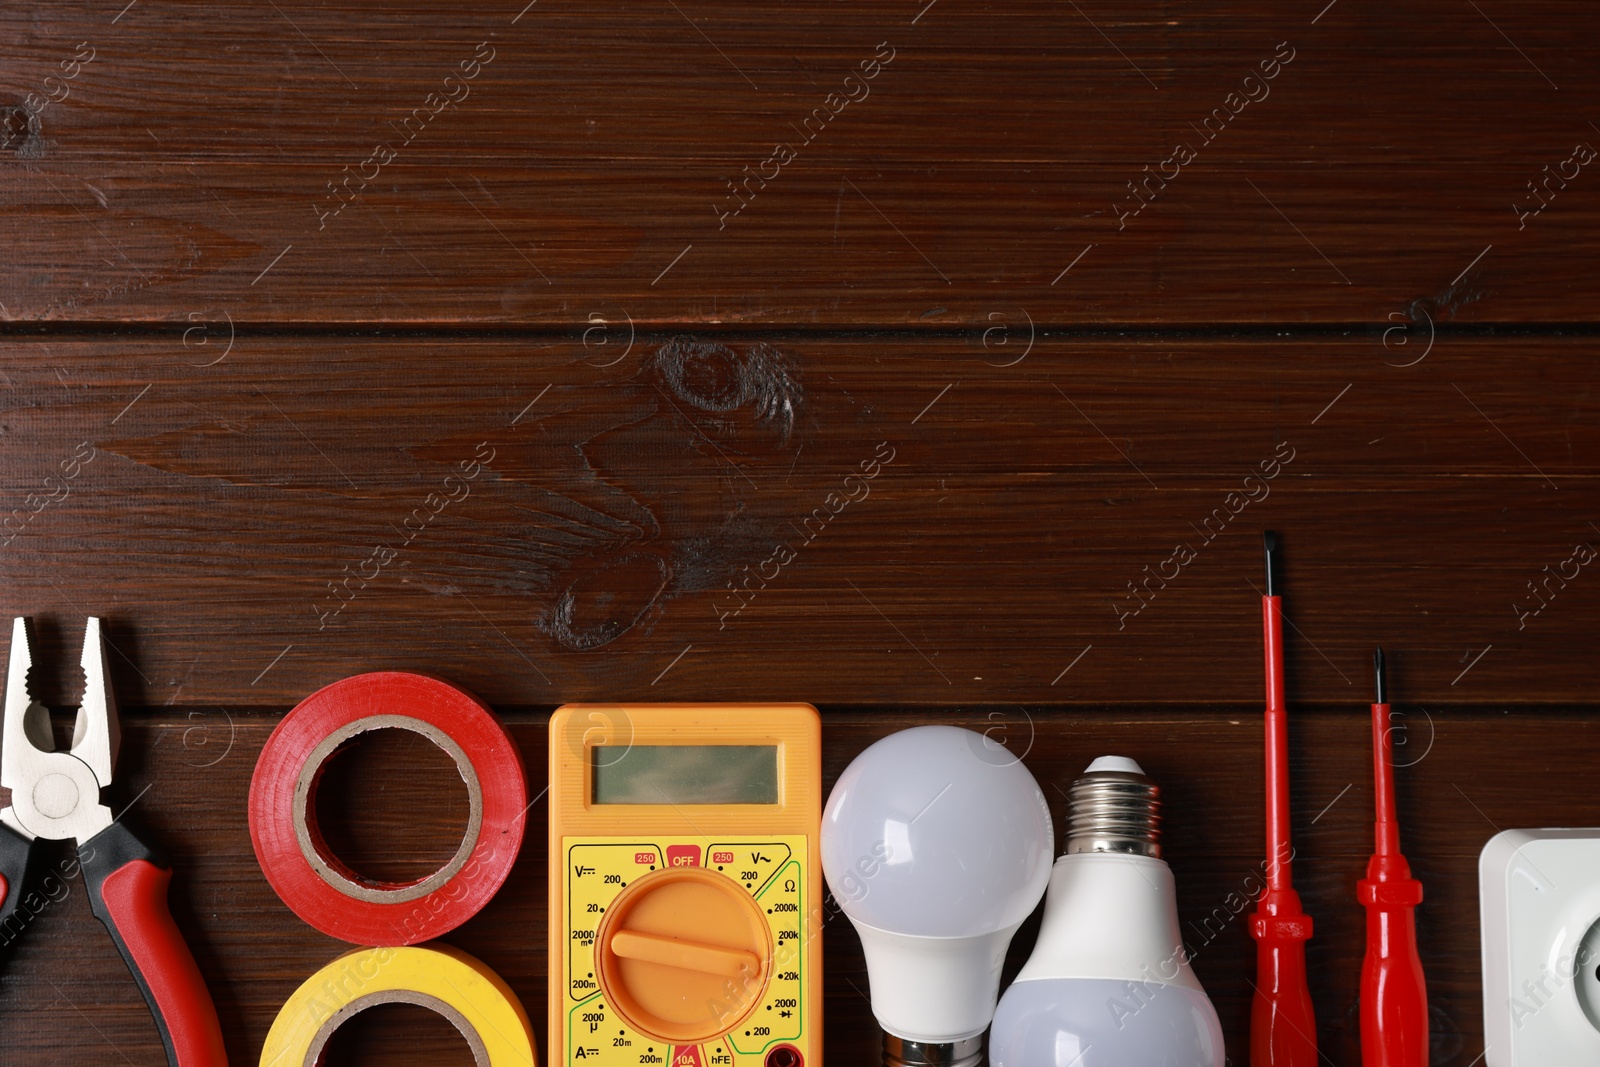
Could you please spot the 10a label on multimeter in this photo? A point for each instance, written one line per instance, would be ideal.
(770, 869)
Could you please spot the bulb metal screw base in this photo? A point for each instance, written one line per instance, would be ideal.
(899, 1052)
(1115, 811)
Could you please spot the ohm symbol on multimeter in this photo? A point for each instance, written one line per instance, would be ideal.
(685, 886)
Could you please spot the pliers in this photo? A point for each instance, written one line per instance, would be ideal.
(56, 796)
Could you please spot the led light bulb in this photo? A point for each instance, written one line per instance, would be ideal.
(1109, 984)
(936, 842)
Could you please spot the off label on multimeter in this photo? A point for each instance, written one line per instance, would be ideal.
(685, 886)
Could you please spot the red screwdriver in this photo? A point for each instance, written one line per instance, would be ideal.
(1394, 995)
(1283, 1028)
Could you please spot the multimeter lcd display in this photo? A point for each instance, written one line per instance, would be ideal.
(684, 774)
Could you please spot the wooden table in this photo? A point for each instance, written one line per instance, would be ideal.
(1097, 291)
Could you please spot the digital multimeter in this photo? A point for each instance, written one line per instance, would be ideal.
(685, 885)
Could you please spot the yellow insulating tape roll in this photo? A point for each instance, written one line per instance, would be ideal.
(453, 984)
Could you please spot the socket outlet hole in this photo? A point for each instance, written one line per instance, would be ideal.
(1586, 975)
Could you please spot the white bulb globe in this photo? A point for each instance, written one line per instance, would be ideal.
(937, 843)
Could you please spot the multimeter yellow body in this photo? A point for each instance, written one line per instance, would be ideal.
(685, 885)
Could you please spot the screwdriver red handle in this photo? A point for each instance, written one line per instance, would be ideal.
(1394, 993)
(128, 893)
(1283, 1026)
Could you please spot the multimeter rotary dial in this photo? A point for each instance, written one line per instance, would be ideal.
(684, 954)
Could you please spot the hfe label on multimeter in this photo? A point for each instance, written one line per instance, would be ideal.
(685, 887)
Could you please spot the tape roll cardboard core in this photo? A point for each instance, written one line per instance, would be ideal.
(337, 873)
(480, 1055)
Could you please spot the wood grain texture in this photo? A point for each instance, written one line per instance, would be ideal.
(63, 986)
(874, 520)
(197, 164)
(577, 387)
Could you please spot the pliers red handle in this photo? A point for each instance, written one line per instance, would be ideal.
(56, 796)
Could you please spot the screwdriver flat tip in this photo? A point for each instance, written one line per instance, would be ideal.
(1269, 549)
(1379, 678)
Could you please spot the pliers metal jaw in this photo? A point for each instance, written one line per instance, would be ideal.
(55, 796)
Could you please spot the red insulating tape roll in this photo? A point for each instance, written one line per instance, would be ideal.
(313, 882)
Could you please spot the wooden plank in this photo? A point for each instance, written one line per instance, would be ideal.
(586, 169)
(695, 520)
(1469, 773)
(1052, 84)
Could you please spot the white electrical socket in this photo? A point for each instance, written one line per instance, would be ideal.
(1539, 901)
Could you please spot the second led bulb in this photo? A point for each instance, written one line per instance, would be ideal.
(1109, 983)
